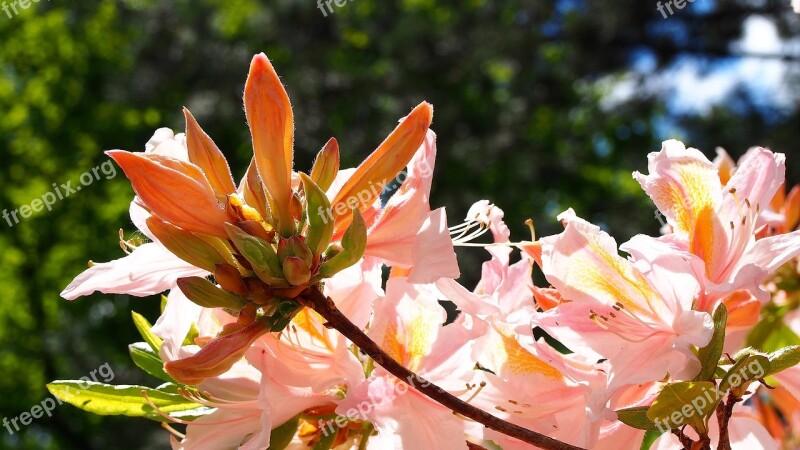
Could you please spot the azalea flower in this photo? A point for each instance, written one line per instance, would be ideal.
(528, 384)
(638, 317)
(718, 223)
(407, 324)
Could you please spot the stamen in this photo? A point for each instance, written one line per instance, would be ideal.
(529, 223)
(477, 391)
(172, 431)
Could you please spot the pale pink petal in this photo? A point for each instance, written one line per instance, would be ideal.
(403, 418)
(394, 233)
(433, 254)
(683, 184)
(174, 324)
(355, 289)
(165, 143)
(148, 270)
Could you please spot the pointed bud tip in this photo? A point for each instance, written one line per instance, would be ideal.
(424, 113)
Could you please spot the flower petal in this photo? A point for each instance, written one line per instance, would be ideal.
(148, 270)
(269, 114)
(206, 155)
(171, 190)
(366, 183)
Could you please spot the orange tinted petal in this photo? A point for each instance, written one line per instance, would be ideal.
(173, 192)
(383, 164)
(204, 153)
(792, 208)
(269, 114)
(217, 357)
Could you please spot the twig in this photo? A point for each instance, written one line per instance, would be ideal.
(687, 443)
(724, 413)
(325, 307)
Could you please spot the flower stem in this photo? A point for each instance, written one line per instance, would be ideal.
(325, 307)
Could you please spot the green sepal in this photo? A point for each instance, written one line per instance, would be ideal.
(636, 417)
(206, 294)
(320, 224)
(354, 243)
(282, 436)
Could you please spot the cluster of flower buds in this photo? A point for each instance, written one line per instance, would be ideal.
(277, 234)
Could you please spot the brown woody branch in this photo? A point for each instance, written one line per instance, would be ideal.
(325, 307)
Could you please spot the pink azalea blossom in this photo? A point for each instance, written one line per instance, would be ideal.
(638, 318)
(718, 223)
(408, 325)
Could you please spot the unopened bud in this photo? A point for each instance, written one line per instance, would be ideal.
(255, 228)
(258, 291)
(295, 246)
(296, 271)
(229, 278)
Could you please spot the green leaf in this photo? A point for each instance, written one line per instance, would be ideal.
(146, 359)
(206, 294)
(144, 327)
(259, 253)
(771, 333)
(636, 417)
(746, 369)
(282, 436)
(649, 438)
(354, 242)
(710, 354)
(683, 403)
(783, 359)
(110, 400)
(320, 225)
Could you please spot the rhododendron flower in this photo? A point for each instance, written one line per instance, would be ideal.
(408, 326)
(717, 223)
(639, 318)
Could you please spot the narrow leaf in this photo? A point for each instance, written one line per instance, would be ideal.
(109, 400)
(144, 328)
(146, 359)
(282, 436)
(320, 223)
(710, 354)
(783, 359)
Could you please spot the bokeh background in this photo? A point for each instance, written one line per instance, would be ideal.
(539, 105)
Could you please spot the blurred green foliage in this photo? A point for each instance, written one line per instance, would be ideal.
(519, 115)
